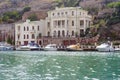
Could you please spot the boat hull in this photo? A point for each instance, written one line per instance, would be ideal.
(6, 48)
(105, 49)
(27, 49)
(69, 49)
(50, 49)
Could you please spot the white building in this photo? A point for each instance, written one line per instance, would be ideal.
(61, 22)
(29, 31)
(68, 21)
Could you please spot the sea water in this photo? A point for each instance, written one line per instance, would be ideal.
(59, 65)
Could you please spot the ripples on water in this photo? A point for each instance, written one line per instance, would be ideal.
(40, 65)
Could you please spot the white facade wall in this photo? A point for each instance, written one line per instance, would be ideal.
(66, 21)
(61, 22)
(28, 31)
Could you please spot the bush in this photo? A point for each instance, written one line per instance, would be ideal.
(26, 9)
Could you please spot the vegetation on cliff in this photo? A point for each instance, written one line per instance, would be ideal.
(105, 24)
(13, 16)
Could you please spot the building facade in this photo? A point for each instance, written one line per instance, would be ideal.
(68, 21)
(60, 23)
(29, 31)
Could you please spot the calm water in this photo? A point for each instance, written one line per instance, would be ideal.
(39, 65)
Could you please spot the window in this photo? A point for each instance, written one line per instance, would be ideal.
(27, 36)
(32, 27)
(81, 32)
(24, 36)
(24, 28)
(53, 14)
(59, 22)
(48, 24)
(63, 23)
(18, 36)
(63, 33)
(40, 35)
(38, 28)
(81, 22)
(72, 33)
(72, 23)
(33, 36)
(48, 34)
(58, 33)
(72, 13)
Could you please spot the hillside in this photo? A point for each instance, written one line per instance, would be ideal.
(10, 5)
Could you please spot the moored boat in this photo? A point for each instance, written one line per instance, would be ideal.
(28, 47)
(50, 47)
(6, 47)
(75, 47)
(105, 47)
(117, 49)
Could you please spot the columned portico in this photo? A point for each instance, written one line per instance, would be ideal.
(68, 21)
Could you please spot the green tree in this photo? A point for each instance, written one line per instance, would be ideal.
(9, 40)
(26, 9)
(11, 16)
(5, 18)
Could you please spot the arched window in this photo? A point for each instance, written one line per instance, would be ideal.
(27, 36)
(38, 28)
(72, 23)
(24, 36)
(58, 33)
(63, 33)
(32, 27)
(72, 13)
(73, 33)
(24, 28)
(33, 36)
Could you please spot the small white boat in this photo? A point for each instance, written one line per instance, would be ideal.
(117, 49)
(75, 47)
(6, 47)
(50, 47)
(30, 46)
(105, 47)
